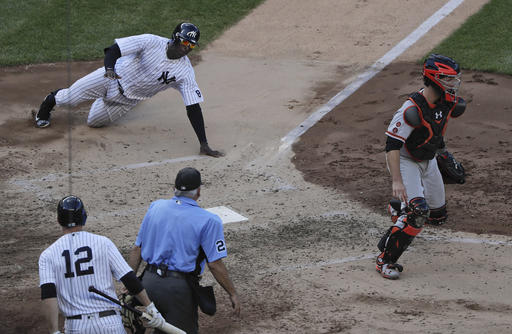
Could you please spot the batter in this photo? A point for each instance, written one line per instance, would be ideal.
(76, 261)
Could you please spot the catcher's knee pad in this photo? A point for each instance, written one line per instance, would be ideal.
(396, 240)
(438, 216)
(417, 212)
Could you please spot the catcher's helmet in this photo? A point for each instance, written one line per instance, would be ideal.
(186, 32)
(444, 74)
(71, 212)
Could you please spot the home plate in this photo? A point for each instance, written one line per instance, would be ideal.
(227, 215)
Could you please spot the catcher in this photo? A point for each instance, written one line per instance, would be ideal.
(418, 161)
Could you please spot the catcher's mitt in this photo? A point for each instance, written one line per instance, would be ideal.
(451, 170)
(130, 320)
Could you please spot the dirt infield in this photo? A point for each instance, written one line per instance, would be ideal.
(350, 142)
(303, 262)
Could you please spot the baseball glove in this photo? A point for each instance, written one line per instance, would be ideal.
(451, 170)
(130, 320)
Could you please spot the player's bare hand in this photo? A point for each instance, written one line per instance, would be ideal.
(206, 150)
(235, 303)
(399, 191)
(111, 74)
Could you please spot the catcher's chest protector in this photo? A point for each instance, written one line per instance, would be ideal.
(425, 140)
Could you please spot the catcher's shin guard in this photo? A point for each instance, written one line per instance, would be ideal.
(437, 216)
(395, 209)
(396, 240)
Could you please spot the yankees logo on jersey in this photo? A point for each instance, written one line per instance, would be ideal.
(438, 115)
(164, 76)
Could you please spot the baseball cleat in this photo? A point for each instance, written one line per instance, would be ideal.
(42, 123)
(43, 115)
(390, 270)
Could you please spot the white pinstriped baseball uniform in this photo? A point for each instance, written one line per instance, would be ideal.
(144, 69)
(73, 263)
(420, 178)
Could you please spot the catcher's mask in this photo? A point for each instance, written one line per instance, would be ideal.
(417, 212)
(71, 212)
(444, 74)
(186, 34)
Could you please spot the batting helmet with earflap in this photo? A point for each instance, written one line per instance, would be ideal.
(71, 212)
(444, 74)
(186, 32)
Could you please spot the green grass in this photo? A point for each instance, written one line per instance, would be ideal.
(36, 31)
(484, 41)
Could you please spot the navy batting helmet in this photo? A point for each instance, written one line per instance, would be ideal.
(71, 212)
(444, 73)
(186, 32)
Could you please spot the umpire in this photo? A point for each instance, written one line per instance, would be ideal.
(176, 239)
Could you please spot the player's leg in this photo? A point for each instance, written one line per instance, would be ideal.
(77, 326)
(104, 112)
(411, 173)
(89, 87)
(435, 194)
(112, 324)
(399, 236)
(42, 117)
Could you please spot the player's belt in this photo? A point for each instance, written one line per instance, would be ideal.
(101, 314)
(163, 271)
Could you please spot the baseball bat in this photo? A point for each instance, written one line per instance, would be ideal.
(166, 327)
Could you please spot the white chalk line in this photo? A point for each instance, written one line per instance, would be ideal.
(361, 79)
(313, 265)
(55, 177)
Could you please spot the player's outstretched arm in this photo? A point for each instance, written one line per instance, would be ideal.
(195, 115)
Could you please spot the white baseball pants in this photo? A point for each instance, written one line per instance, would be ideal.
(110, 104)
(93, 324)
(423, 179)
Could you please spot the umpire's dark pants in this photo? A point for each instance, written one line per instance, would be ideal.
(173, 298)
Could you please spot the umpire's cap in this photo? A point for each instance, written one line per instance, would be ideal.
(71, 212)
(187, 179)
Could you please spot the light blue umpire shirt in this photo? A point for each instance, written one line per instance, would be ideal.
(173, 231)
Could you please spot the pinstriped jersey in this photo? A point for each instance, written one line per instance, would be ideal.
(145, 69)
(76, 261)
